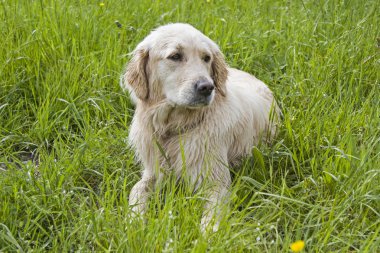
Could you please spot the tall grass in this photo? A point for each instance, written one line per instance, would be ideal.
(65, 168)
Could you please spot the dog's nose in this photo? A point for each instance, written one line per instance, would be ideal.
(204, 88)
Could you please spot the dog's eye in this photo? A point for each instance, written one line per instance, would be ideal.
(175, 57)
(206, 58)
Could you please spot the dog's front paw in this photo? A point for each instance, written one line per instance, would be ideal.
(208, 222)
(136, 213)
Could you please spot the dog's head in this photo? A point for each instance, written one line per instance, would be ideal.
(178, 63)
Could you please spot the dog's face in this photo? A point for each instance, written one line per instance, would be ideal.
(184, 71)
(179, 64)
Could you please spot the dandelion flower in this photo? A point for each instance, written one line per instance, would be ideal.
(101, 4)
(297, 246)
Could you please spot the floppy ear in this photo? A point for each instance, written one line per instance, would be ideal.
(135, 77)
(219, 69)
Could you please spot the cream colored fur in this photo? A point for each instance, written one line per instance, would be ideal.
(169, 118)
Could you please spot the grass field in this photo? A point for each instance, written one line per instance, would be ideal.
(65, 168)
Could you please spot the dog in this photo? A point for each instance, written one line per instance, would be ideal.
(194, 115)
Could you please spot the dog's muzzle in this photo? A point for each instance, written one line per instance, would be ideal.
(203, 93)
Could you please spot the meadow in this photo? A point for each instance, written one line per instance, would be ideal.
(66, 169)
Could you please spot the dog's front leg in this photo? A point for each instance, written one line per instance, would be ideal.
(140, 193)
(217, 198)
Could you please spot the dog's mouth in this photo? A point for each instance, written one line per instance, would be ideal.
(191, 100)
(200, 101)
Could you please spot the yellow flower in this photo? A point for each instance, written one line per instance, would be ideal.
(101, 4)
(297, 246)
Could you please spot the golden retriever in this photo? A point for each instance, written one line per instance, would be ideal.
(194, 115)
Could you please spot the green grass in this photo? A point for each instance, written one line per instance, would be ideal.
(65, 168)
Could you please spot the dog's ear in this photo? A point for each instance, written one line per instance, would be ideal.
(220, 72)
(135, 77)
